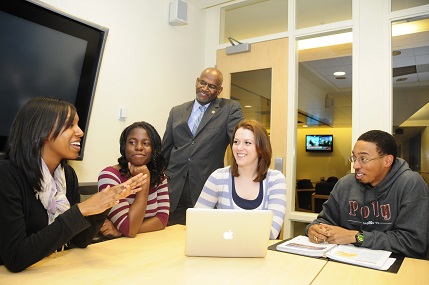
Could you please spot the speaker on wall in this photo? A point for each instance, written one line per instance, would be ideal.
(178, 13)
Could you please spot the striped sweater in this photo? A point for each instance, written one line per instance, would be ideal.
(158, 204)
(217, 193)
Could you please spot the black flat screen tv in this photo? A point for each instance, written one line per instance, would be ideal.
(46, 52)
(321, 143)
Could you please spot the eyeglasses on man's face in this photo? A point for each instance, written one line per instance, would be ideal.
(211, 86)
(363, 160)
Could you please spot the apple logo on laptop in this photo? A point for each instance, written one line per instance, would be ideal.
(228, 234)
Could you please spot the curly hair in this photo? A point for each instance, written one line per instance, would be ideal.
(156, 164)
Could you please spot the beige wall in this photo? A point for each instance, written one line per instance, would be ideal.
(313, 165)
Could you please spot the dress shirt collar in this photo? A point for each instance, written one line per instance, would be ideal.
(197, 105)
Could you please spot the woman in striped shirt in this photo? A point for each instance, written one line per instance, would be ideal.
(248, 183)
(148, 210)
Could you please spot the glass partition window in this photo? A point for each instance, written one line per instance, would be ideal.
(252, 89)
(308, 12)
(405, 4)
(410, 63)
(249, 19)
(324, 109)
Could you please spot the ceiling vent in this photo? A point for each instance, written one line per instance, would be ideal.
(405, 70)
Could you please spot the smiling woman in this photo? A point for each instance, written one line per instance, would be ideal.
(248, 184)
(65, 144)
(148, 210)
(39, 197)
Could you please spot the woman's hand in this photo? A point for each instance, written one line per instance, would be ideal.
(110, 196)
(134, 170)
(109, 230)
(137, 209)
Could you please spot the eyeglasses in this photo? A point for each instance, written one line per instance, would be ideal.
(211, 86)
(363, 160)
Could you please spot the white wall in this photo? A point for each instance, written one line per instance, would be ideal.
(148, 67)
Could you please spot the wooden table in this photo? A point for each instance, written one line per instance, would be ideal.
(412, 272)
(158, 258)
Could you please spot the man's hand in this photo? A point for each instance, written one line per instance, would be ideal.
(331, 234)
(317, 233)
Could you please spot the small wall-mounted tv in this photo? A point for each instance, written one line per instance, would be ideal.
(46, 52)
(321, 143)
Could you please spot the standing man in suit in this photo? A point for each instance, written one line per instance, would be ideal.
(195, 141)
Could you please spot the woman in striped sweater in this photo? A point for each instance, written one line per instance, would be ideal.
(248, 183)
(148, 210)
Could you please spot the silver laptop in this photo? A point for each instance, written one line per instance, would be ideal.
(227, 233)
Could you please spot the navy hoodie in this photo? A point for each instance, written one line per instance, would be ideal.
(393, 215)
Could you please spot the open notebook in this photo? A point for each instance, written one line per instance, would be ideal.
(227, 233)
(376, 259)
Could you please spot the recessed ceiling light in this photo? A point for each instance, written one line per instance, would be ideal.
(339, 73)
(248, 106)
(396, 52)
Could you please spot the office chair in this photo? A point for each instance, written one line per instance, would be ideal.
(87, 189)
(332, 179)
(321, 193)
(304, 190)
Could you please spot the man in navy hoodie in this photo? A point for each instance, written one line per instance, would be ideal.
(383, 205)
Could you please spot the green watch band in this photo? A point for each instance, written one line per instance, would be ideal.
(359, 238)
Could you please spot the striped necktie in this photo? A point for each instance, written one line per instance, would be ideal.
(198, 120)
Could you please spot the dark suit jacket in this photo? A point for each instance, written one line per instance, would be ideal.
(197, 156)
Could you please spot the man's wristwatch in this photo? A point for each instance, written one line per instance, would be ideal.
(359, 238)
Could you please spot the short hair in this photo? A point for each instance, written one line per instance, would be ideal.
(40, 119)
(156, 164)
(263, 148)
(385, 143)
